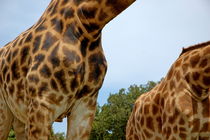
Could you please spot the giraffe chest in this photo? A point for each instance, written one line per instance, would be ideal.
(56, 78)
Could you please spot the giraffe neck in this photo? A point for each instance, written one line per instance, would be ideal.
(88, 17)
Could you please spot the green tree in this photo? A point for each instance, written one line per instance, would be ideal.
(111, 119)
(11, 135)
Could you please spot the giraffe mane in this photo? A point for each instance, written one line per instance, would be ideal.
(197, 46)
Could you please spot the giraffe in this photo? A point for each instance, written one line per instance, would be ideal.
(55, 70)
(178, 108)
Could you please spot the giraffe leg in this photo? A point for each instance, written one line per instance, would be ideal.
(80, 120)
(19, 129)
(39, 121)
(6, 118)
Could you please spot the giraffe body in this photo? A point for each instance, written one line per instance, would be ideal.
(55, 69)
(178, 108)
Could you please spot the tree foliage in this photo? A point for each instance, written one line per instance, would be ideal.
(111, 118)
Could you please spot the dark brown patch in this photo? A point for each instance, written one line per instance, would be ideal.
(8, 78)
(136, 137)
(42, 88)
(183, 135)
(60, 76)
(97, 65)
(194, 60)
(185, 67)
(36, 43)
(53, 58)
(91, 27)
(154, 109)
(149, 123)
(49, 41)
(174, 117)
(72, 34)
(175, 129)
(84, 45)
(38, 60)
(95, 44)
(57, 24)
(117, 5)
(203, 63)
(15, 70)
(20, 94)
(28, 38)
(5, 71)
(33, 78)
(206, 80)
(78, 2)
(102, 16)
(196, 125)
(196, 76)
(87, 12)
(205, 109)
(157, 98)
(11, 89)
(24, 54)
(207, 70)
(40, 28)
(74, 84)
(70, 57)
(32, 91)
(146, 109)
(67, 12)
(181, 121)
(14, 53)
(198, 90)
(9, 57)
(187, 77)
(84, 92)
(54, 84)
(206, 127)
(79, 76)
(45, 71)
(167, 132)
(36, 132)
(24, 70)
(65, 2)
(52, 99)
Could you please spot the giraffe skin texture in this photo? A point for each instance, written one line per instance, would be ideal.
(55, 70)
(178, 108)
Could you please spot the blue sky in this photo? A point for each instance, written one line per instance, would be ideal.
(140, 44)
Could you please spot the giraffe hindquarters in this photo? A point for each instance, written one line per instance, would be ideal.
(6, 118)
(80, 119)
